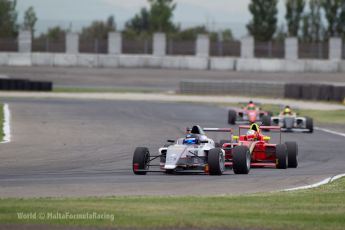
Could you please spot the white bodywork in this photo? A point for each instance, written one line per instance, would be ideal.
(179, 152)
(290, 123)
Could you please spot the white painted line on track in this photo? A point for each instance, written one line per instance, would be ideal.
(7, 124)
(323, 182)
(330, 131)
(327, 180)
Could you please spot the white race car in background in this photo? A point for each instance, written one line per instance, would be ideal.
(196, 153)
(292, 123)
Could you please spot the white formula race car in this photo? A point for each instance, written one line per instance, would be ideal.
(195, 153)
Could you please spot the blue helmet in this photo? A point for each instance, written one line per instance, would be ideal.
(191, 139)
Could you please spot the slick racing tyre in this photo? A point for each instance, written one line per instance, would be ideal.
(232, 117)
(241, 160)
(266, 121)
(292, 150)
(309, 124)
(216, 161)
(141, 159)
(281, 156)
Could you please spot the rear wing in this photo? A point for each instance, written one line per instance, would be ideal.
(224, 130)
(265, 128)
(278, 128)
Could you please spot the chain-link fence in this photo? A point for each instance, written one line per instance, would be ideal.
(8, 44)
(181, 47)
(96, 46)
(272, 49)
(49, 45)
(313, 50)
(137, 46)
(225, 48)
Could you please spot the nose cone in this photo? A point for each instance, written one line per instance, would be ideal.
(252, 117)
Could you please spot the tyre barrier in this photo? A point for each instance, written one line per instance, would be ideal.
(25, 85)
(320, 92)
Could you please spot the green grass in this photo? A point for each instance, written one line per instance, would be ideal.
(103, 90)
(320, 208)
(1, 122)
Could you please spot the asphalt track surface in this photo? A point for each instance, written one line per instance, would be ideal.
(84, 148)
(153, 79)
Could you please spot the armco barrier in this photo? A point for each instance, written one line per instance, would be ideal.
(25, 85)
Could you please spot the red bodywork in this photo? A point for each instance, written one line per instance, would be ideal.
(263, 154)
(252, 114)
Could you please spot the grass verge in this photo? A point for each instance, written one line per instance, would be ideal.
(103, 90)
(2, 134)
(319, 208)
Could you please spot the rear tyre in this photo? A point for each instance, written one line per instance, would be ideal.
(309, 124)
(241, 160)
(292, 150)
(266, 121)
(141, 159)
(216, 161)
(232, 115)
(281, 156)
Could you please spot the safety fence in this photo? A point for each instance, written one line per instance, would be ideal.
(137, 46)
(269, 49)
(272, 49)
(49, 45)
(8, 45)
(313, 50)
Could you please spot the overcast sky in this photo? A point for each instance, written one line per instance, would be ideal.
(215, 13)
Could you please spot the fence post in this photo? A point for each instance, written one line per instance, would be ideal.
(114, 43)
(291, 48)
(24, 41)
(72, 43)
(247, 47)
(203, 46)
(159, 44)
(335, 49)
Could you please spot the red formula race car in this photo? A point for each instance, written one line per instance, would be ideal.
(259, 150)
(249, 114)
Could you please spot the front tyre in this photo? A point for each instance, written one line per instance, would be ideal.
(309, 124)
(141, 160)
(241, 160)
(266, 120)
(281, 156)
(292, 149)
(216, 161)
(232, 115)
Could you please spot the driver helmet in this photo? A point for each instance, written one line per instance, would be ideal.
(191, 139)
(251, 105)
(287, 110)
(251, 135)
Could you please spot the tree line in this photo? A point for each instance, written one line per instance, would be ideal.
(310, 20)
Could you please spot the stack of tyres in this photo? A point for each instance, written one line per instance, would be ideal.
(25, 85)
